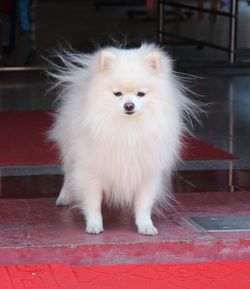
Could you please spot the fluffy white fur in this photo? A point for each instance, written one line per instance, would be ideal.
(107, 154)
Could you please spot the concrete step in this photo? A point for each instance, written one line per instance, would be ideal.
(35, 231)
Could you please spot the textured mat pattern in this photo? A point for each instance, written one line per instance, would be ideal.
(226, 275)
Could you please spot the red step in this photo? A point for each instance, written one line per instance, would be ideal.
(226, 275)
(35, 231)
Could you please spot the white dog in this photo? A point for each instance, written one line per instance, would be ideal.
(118, 127)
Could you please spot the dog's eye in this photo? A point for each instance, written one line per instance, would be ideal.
(117, 93)
(141, 94)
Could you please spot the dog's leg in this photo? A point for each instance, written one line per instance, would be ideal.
(91, 208)
(144, 200)
(63, 198)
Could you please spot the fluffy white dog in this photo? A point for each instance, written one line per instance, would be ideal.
(119, 127)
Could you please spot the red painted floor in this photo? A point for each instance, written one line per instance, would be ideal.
(224, 275)
(35, 231)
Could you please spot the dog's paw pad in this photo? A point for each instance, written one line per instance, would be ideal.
(94, 229)
(147, 230)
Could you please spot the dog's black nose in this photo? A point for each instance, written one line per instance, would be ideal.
(129, 106)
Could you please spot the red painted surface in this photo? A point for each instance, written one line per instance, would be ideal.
(38, 276)
(23, 141)
(190, 276)
(5, 278)
(23, 138)
(196, 149)
(35, 231)
(223, 275)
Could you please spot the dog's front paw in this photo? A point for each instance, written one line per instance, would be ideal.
(147, 230)
(94, 228)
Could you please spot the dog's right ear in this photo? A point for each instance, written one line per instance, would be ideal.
(153, 59)
(106, 60)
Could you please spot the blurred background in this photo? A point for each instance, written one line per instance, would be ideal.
(31, 28)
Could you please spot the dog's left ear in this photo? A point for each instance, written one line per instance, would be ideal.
(153, 59)
(106, 59)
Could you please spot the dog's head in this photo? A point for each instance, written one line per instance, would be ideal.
(128, 80)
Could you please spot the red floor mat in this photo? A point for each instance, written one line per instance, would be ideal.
(224, 275)
(23, 141)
